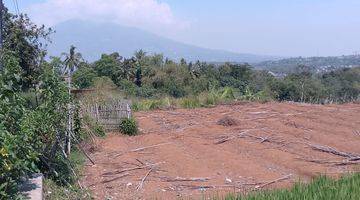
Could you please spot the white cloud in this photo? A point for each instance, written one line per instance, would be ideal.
(147, 14)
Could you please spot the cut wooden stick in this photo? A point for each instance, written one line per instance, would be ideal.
(130, 169)
(263, 139)
(357, 133)
(141, 184)
(141, 149)
(242, 135)
(110, 180)
(116, 178)
(202, 187)
(226, 139)
(148, 147)
(180, 179)
(274, 181)
(139, 161)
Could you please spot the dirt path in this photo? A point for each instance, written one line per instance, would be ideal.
(196, 157)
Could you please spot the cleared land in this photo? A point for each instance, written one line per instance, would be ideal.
(230, 148)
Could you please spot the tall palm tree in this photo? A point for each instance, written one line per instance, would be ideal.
(140, 55)
(72, 60)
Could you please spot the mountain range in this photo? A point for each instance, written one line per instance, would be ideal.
(95, 38)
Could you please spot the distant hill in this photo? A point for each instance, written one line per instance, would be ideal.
(93, 39)
(318, 64)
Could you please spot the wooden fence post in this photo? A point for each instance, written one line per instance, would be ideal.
(128, 110)
(97, 112)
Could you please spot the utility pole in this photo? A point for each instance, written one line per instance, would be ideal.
(1, 33)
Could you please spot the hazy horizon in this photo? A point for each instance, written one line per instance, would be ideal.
(273, 27)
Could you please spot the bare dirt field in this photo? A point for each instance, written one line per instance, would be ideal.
(189, 154)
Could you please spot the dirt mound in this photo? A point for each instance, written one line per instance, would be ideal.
(184, 154)
(227, 121)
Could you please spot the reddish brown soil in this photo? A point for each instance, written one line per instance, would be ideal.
(275, 143)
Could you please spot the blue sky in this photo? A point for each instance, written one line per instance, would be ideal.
(269, 27)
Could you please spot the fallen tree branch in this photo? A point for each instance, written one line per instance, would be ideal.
(332, 150)
(353, 161)
(274, 181)
(116, 178)
(228, 138)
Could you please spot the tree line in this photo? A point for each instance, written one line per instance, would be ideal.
(154, 76)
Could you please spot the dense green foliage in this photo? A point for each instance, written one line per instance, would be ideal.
(26, 40)
(323, 188)
(37, 128)
(34, 103)
(152, 76)
(128, 126)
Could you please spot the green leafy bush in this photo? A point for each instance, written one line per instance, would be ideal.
(129, 126)
(40, 129)
(16, 160)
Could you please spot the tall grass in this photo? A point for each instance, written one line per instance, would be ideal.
(323, 188)
(52, 190)
(205, 99)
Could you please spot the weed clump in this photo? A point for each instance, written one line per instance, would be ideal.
(128, 126)
(227, 121)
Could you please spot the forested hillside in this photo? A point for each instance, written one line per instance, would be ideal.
(317, 64)
(93, 39)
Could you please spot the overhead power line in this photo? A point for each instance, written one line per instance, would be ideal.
(16, 7)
